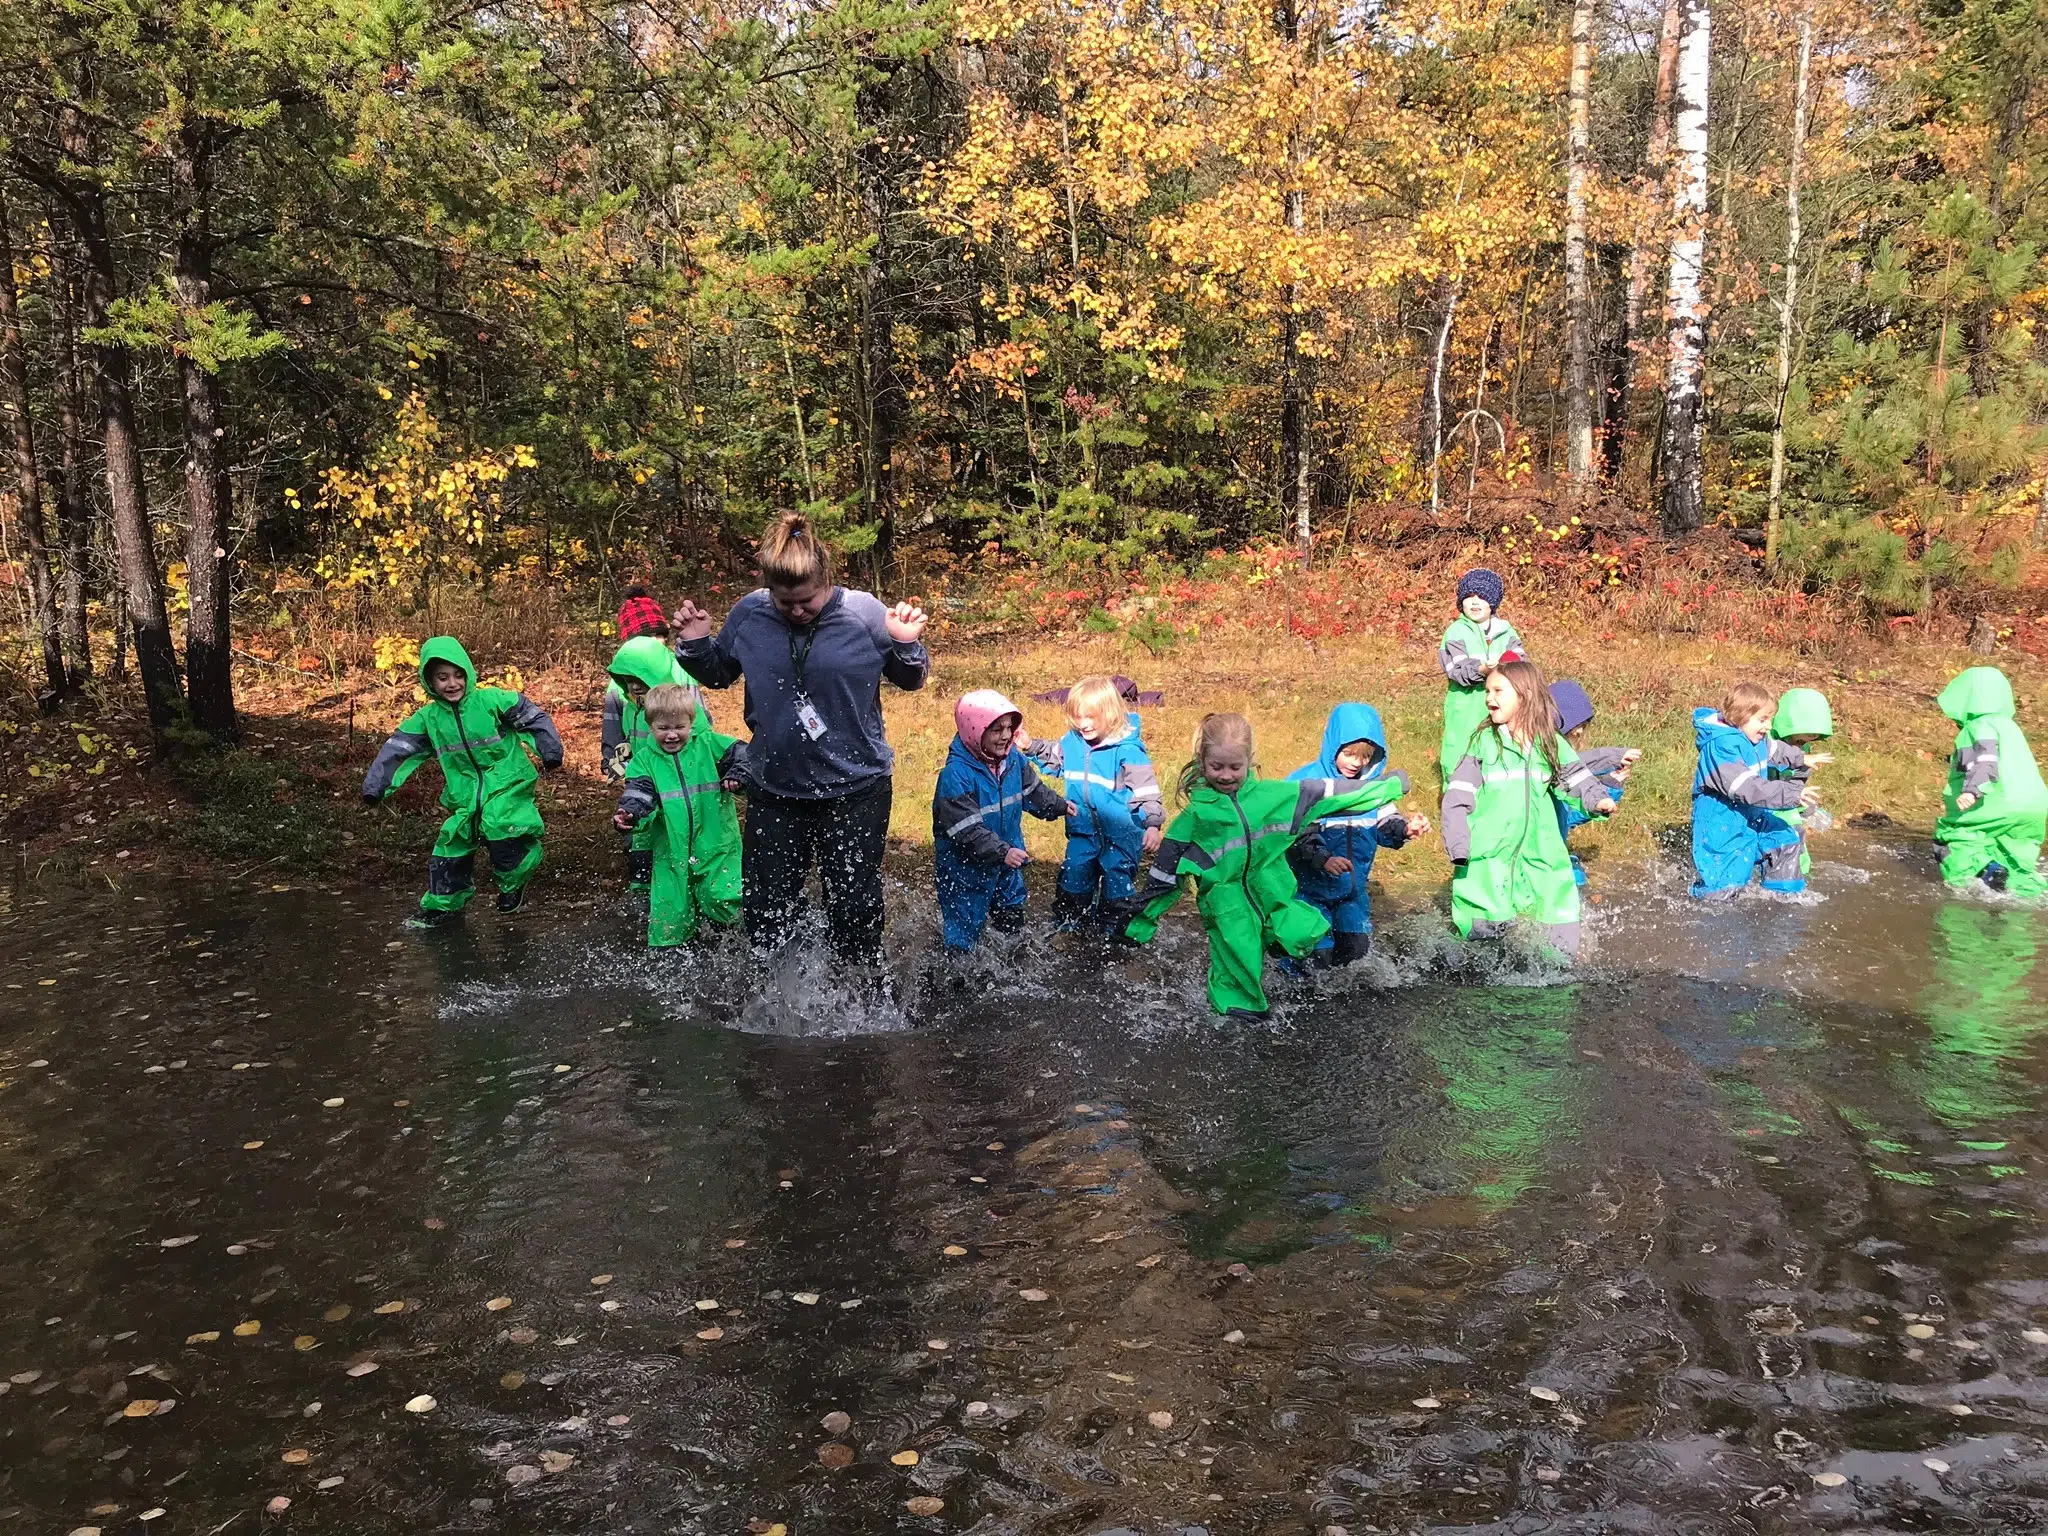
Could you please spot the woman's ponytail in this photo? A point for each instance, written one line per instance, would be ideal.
(790, 555)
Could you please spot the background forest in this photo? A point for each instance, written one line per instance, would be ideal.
(376, 300)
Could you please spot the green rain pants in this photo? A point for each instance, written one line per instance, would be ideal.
(1239, 942)
(640, 858)
(707, 888)
(509, 834)
(2016, 845)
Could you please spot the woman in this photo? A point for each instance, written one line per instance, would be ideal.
(819, 787)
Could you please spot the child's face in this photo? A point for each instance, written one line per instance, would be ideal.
(1092, 727)
(1475, 608)
(445, 681)
(1576, 736)
(1501, 698)
(1356, 757)
(1758, 725)
(636, 690)
(1226, 768)
(1803, 741)
(671, 732)
(995, 741)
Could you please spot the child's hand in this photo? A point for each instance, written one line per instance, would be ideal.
(691, 622)
(1620, 775)
(1604, 806)
(1016, 858)
(624, 820)
(1810, 797)
(1819, 759)
(1336, 864)
(1153, 837)
(1418, 826)
(732, 786)
(1021, 741)
(1073, 809)
(1963, 801)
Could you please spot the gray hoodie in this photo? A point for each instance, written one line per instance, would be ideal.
(844, 654)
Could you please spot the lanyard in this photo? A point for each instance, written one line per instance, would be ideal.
(798, 659)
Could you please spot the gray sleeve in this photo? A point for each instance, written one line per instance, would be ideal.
(1979, 763)
(1579, 781)
(639, 799)
(957, 818)
(1461, 794)
(1458, 664)
(1601, 761)
(1787, 761)
(1147, 804)
(527, 716)
(1040, 798)
(1748, 784)
(398, 746)
(611, 735)
(711, 660)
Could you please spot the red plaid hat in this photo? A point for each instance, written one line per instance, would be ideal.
(640, 616)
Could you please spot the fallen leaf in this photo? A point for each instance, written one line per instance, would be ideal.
(25, 1378)
(2034, 1335)
(389, 1307)
(1159, 1418)
(332, 1103)
(735, 1242)
(1427, 1402)
(556, 1461)
(522, 1336)
(251, 1146)
(1961, 1410)
(522, 1474)
(1545, 1394)
(304, 1342)
(711, 1335)
(362, 1368)
(835, 1456)
(421, 1404)
(995, 1146)
(208, 1337)
(512, 1381)
(955, 1251)
(1933, 1465)
(924, 1504)
(1150, 1261)
(608, 1306)
(332, 1482)
(433, 1223)
(1129, 1381)
(1034, 1294)
(619, 1418)
(296, 1457)
(1235, 1336)
(707, 1305)
(152, 1514)
(238, 1249)
(497, 1303)
(935, 1344)
(905, 1458)
(564, 1067)
(84, 1530)
(976, 1409)
(1829, 1479)
(600, 1279)
(836, 1422)
(248, 1330)
(337, 1312)
(311, 1410)
(1548, 1474)
(808, 1298)
(278, 1505)
(179, 1242)
(140, 1408)
(848, 1306)
(1919, 1331)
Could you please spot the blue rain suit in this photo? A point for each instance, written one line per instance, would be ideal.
(977, 816)
(1357, 836)
(1602, 761)
(1117, 792)
(1736, 831)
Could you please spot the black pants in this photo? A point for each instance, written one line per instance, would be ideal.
(845, 838)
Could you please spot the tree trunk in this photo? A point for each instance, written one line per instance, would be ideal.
(1578, 283)
(28, 478)
(156, 660)
(1294, 455)
(886, 405)
(1684, 498)
(209, 673)
(2012, 125)
(1429, 420)
(1649, 235)
(74, 499)
(1787, 307)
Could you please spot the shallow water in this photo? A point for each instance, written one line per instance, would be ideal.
(1756, 1202)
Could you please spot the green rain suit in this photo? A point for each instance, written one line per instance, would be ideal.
(1235, 849)
(1468, 650)
(679, 796)
(1501, 831)
(487, 777)
(1993, 762)
(646, 660)
(1801, 712)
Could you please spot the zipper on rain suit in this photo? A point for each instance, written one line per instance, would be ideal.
(681, 799)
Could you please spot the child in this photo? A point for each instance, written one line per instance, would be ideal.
(1232, 839)
(978, 819)
(1610, 765)
(1802, 718)
(1333, 859)
(643, 662)
(679, 788)
(1478, 639)
(1501, 827)
(1736, 831)
(1997, 805)
(1116, 815)
(487, 779)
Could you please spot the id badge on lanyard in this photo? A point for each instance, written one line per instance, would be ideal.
(807, 714)
(808, 717)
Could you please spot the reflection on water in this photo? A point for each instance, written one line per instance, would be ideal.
(1740, 1230)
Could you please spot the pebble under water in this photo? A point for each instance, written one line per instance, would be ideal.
(313, 1226)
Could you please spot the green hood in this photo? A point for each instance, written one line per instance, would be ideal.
(1980, 693)
(449, 649)
(1802, 712)
(644, 659)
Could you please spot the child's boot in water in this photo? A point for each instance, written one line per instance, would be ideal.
(508, 901)
(427, 918)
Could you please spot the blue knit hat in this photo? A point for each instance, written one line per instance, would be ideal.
(1574, 709)
(1482, 583)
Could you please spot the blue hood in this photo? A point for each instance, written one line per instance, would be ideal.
(1347, 723)
(1709, 729)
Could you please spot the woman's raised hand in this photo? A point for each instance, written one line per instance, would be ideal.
(691, 622)
(905, 623)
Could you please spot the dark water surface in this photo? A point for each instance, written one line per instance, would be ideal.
(1740, 1231)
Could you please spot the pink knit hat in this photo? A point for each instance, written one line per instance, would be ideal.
(979, 710)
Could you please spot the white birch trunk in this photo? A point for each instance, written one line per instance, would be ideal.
(1787, 307)
(1684, 498)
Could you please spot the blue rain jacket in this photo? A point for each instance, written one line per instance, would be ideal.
(1735, 802)
(978, 813)
(1358, 836)
(1115, 787)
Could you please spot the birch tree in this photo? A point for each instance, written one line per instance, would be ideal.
(1788, 304)
(1684, 492)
